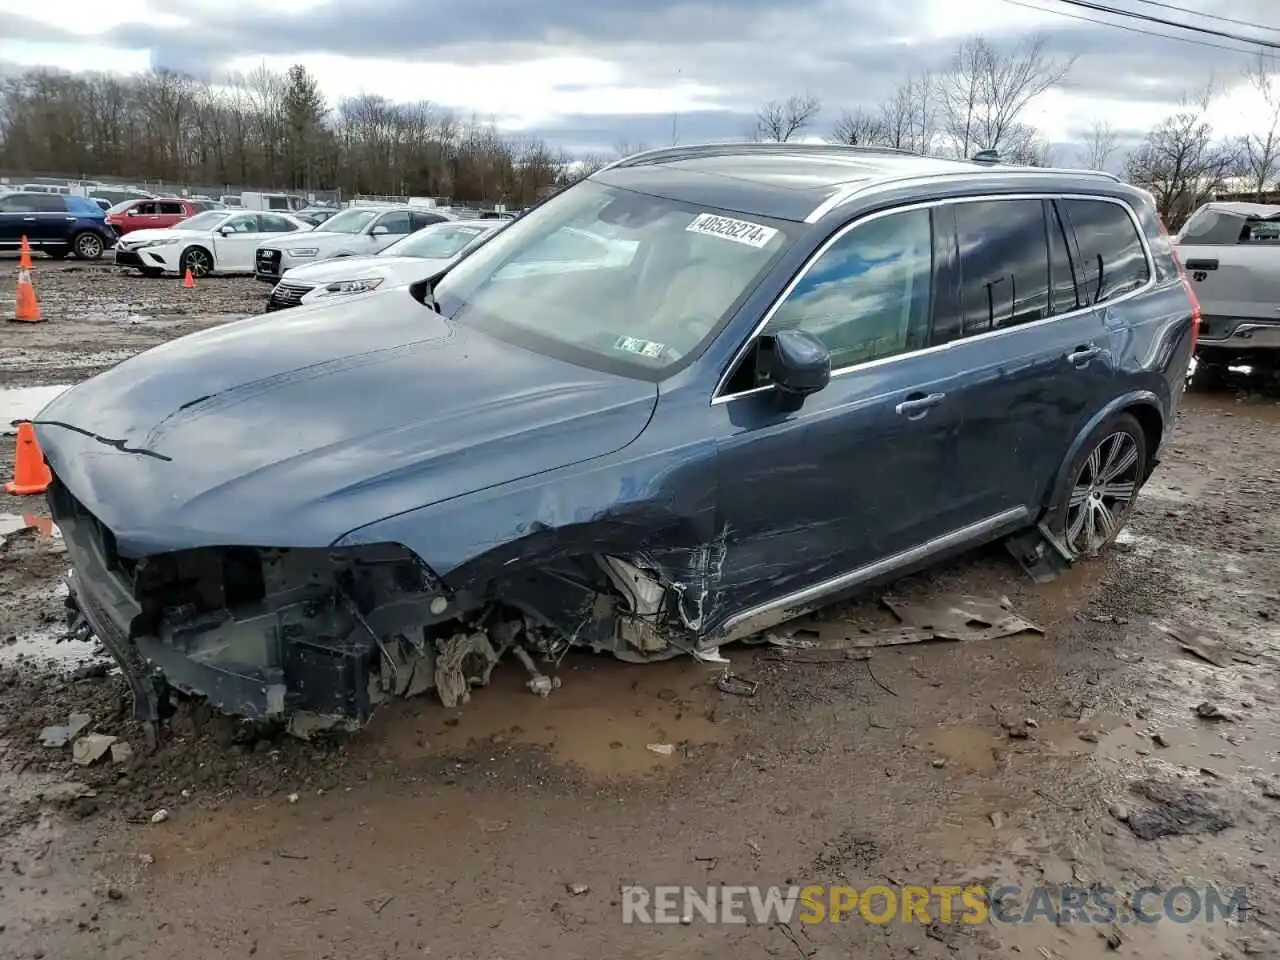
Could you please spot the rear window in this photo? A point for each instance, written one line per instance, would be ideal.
(1113, 260)
(83, 207)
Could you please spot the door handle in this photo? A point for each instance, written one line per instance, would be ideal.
(918, 405)
(1082, 355)
(1193, 265)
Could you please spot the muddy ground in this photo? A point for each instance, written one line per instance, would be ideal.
(509, 826)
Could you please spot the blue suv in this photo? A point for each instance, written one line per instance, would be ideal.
(55, 224)
(703, 391)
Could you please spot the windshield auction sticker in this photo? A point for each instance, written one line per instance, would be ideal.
(739, 231)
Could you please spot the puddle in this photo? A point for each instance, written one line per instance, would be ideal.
(23, 403)
(600, 721)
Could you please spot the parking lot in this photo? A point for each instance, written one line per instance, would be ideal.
(513, 822)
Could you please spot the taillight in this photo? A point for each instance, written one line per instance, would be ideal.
(1186, 285)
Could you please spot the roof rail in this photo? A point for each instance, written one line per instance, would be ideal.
(729, 148)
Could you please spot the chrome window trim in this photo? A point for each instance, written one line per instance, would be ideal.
(717, 397)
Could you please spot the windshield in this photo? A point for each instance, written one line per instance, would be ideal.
(203, 221)
(349, 221)
(436, 242)
(612, 278)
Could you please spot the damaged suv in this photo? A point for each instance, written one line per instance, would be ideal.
(701, 392)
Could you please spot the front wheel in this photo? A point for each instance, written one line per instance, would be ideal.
(1101, 486)
(198, 260)
(88, 246)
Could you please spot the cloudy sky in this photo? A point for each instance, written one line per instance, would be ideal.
(586, 74)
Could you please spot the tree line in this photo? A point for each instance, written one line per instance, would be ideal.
(277, 130)
(264, 129)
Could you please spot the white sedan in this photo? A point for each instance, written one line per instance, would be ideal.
(413, 258)
(216, 241)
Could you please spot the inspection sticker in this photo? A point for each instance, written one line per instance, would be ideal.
(646, 348)
(739, 231)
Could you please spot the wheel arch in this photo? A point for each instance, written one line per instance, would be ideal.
(1143, 405)
(182, 258)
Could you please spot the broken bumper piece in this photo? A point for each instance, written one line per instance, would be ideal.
(317, 638)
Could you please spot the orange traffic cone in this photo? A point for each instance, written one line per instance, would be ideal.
(188, 281)
(24, 257)
(31, 475)
(27, 309)
(41, 524)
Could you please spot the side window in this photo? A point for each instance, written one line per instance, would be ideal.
(272, 223)
(46, 203)
(420, 220)
(15, 204)
(245, 223)
(1062, 269)
(396, 224)
(869, 295)
(1004, 264)
(171, 208)
(1261, 231)
(277, 203)
(1113, 261)
(144, 209)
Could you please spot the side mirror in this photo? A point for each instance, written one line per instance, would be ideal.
(379, 231)
(799, 365)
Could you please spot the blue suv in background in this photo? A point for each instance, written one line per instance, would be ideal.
(54, 224)
(701, 392)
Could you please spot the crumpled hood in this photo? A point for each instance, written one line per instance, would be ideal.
(395, 269)
(292, 429)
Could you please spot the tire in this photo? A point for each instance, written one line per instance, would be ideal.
(88, 245)
(196, 259)
(1087, 515)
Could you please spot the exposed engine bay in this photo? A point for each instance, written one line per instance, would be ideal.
(318, 638)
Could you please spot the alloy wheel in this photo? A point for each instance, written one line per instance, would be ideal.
(89, 247)
(1102, 494)
(198, 262)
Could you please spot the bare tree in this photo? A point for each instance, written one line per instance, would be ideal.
(861, 128)
(1099, 145)
(625, 148)
(910, 115)
(1260, 148)
(266, 130)
(985, 91)
(1181, 162)
(780, 120)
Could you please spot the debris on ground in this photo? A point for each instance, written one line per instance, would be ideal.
(962, 617)
(577, 889)
(735, 685)
(160, 816)
(91, 748)
(1177, 811)
(1198, 642)
(60, 736)
(1208, 710)
(121, 752)
(663, 749)
(66, 792)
